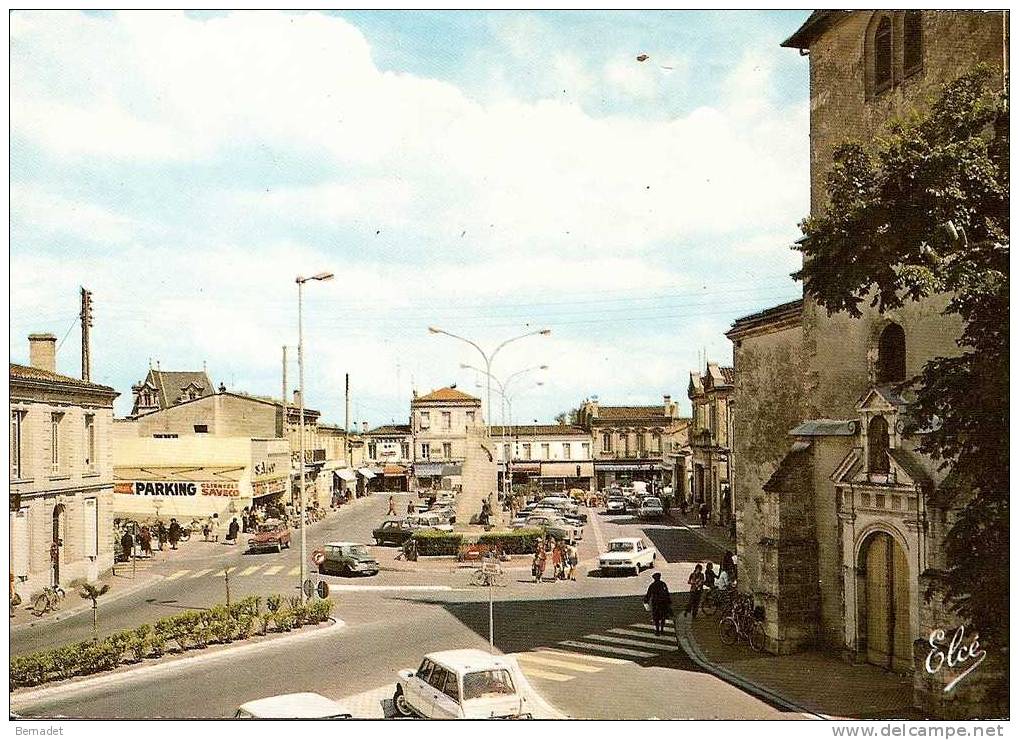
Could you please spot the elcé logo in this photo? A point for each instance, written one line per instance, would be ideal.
(148, 488)
(956, 655)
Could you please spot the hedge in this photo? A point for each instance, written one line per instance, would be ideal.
(437, 542)
(515, 542)
(189, 629)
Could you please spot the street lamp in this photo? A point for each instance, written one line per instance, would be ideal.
(489, 358)
(322, 276)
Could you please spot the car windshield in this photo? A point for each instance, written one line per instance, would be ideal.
(358, 551)
(620, 546)
(268, 527)
(652, 502)
(481, 684)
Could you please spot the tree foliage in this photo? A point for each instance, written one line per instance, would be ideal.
(926, 212)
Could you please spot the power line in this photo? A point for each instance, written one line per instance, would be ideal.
(68, 333)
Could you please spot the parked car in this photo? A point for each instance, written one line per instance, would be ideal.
(566, 507)
(615, 504)
(392, 532)
(348, 559)
(556, 526)
(461, 684)
(651, 508)
(271, 534)
(627, 554)
(429, 520)
(305, 705)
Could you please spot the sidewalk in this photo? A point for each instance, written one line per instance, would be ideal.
(812, 682)
(713, 533)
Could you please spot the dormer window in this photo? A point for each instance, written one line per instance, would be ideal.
(891, 355)
(877, 446)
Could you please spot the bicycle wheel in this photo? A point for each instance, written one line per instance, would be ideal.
(477, 579)
(756, 636)
(41, 605)
(710, 603)
(728, 632)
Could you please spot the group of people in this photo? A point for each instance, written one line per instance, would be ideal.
(563, 556)
(145, 536)
(707, 578)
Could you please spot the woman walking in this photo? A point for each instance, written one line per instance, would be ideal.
(696, 581)
(659, 602)
(539, 563)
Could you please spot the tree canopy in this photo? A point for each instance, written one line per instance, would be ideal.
(925, 211)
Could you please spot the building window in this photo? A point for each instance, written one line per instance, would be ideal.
(425, 420)
(90, 443)
(505, 452)
(17, 432)
(164, 436)
(877, 445)
(426, 451)
(201, 428)
(883, 54)
(606, 442)
(912, 40)
(404, 450)
(585, 450)
(470, 418)
(567, 452)
(545, 450)
(625, 443)
(447, 450)
(55, 420)
(527, 451)
(447, 420)
(373, 451)
(891, 355)
(656, 443)
(640, 444)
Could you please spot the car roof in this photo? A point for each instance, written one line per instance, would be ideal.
(631, 540)
(468, 659)
(304, 705)
(652, 498)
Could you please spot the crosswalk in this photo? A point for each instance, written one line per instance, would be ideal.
(234, 571)
(592, 653)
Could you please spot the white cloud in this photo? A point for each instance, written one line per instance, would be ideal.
(37, 209)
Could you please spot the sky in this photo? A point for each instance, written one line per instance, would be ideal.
(488, 173)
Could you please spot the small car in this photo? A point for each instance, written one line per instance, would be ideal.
(271, 534)
(428, 520)
(556, 526)
(348, 559)
(392, 532)
(461, 684)
(305, 705)
(651, 508)
(627, 554)
(615, 505)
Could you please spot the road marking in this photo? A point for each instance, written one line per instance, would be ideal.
(582, 656)
(200, 573)
(273, 570)
(608, 649)
(599, 539)
(637, 633)
(651, 627)
(548, 675)
(294, 571)
(570, 665)
(249, 570)
(623, 641)
(177, 575)
(225, 571)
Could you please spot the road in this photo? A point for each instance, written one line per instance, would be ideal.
(585, 646)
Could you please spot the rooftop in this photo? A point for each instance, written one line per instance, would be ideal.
(786, 313)
(538, 430)
(817, 23)
(631, 413)
(447, 394)
(29, 373)
(390, 429)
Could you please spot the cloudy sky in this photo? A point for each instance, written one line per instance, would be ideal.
(489, 173)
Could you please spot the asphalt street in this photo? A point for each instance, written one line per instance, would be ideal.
(585, 646)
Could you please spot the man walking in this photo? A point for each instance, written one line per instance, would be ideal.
(410, 506)
(703, 511)
(233, 531)
(659, 601)
(392, 506)
(127, 545)
(174, 534)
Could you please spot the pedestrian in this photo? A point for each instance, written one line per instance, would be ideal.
(174, 534)
(682, 504)
(127, 544)
(392, 506)
(206, 529)
(146, 542)
(214, 528)
(557, 561)
(729, 565)
(696, 581)
(410, 506)
(233, 531)
(573, 559)
(703, 511)
(160, 532)
(659, 602)
(709, 575)
(540, 556)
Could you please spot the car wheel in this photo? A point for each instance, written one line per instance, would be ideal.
(279, 547)
(400, 703)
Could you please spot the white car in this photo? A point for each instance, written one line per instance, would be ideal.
(651, 508)
(627, 554)
(428, 520)
(554, 525)
(306, 705)
(615, 504)
(461, 684)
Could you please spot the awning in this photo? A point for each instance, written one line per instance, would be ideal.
(635, 467)
(427, 469)
(567, 470)
(454, 469)
(345, 474)
(518, 467)
(394, 471)
(366, 473)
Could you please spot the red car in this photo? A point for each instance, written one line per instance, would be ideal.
(270, 535)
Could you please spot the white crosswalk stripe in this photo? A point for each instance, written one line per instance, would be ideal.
(178, 574)
(666, 639)
(294, 571)
(559, 653)
(249, 570)
(273, 570)
(557, 663)
(548, 675)
(200, 573)
(644, 643)
(608, 648)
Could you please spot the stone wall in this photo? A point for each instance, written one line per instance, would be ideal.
(480, 478)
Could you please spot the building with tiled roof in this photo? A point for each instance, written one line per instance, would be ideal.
(388, 452)
(446, 395)
(162, 389)
(545, 457)
(61, 473)
(440, 424)
(710, 434)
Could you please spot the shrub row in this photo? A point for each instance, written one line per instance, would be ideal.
(515, 542)
(437, 542)
(185, 631)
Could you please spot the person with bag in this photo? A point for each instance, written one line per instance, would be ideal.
(696, 581)
(573, 559)
(658, 601)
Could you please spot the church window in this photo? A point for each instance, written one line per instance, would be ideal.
(912, 36)
(883, 54)
(891, 355)
(877, 445)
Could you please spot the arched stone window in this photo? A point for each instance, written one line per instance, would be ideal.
(891, 355)
(882, 54)
(877, 445)
(912, 42)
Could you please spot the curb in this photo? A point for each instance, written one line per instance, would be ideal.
(84, 607)
(120, 677)
(693, 651)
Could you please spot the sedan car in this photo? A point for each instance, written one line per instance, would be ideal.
(392, 532)
(270, 535)
(651, 508)
(348, 559)
(615, 505)
(429, 520)
(461, 684)
(555, 526)
(305, 705)
(627, 554)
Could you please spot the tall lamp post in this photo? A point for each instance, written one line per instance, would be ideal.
(322, 276)
(489, 358)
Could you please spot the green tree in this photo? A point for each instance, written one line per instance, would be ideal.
(93, 592)
(926, 211)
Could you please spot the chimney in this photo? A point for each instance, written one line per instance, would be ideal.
(667, 405)
(42, 352)
(364, 427)
(297, 398)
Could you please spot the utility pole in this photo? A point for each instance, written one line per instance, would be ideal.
(346, 419)
(86, 344)
(286, 416)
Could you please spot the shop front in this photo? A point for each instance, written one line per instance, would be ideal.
(428, 475)
(344, 485)
(624, 473)
(394, 478)
(565, 476)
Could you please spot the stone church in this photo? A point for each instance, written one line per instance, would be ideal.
(839, 519)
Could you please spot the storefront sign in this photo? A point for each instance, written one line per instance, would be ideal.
(177, 488)
(269, 487)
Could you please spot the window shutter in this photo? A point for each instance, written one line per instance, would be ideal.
(19, 543)
(91, 528)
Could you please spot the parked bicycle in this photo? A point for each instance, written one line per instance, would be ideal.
(744, 623)
(489, 574)
(48, 600)
(716, 599)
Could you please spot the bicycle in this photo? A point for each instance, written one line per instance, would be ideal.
(715, 599)
(743, 622)
(487, 575)
(48, 600)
